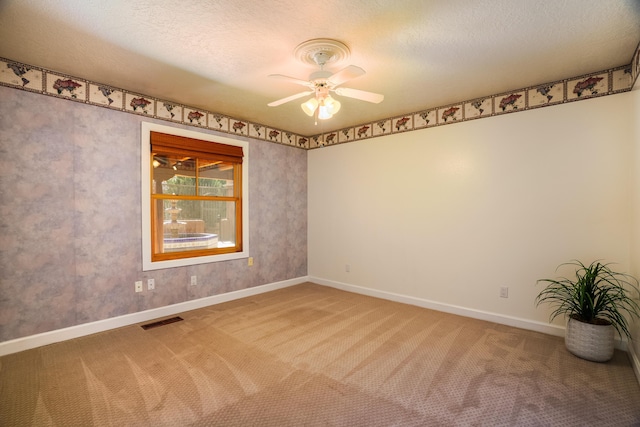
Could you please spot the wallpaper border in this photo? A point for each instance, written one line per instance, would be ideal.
(47, 82)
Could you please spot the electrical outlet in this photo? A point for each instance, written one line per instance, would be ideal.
(347, 268)
(504, 292)
(194, 280)
(250, 261)
(151, 284)
(139, 286)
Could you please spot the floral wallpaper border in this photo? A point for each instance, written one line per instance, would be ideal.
(35, 79)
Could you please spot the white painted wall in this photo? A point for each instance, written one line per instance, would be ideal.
(451, 214)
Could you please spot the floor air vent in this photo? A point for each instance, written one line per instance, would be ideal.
(161, 323)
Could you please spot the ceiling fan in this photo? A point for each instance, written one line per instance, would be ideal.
(321, 52)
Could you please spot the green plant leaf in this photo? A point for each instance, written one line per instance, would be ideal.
(596, 294)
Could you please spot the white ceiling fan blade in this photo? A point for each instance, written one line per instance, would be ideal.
(291, 79)
(362, 95)
(347, 73)
(289, 98)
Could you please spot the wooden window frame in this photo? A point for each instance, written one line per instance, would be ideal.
(205, 146)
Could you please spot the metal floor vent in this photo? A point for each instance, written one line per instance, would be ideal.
(161, 322)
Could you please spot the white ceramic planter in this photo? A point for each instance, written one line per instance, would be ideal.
(590, 342)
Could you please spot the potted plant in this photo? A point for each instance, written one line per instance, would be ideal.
(595, 303)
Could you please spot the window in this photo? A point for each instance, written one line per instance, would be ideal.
(194, 199)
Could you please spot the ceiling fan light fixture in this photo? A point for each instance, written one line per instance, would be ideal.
(323, 113)
(321, 52)
(309, 107)
(327, 108)
(332, 105)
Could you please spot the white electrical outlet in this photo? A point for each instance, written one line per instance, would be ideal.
(139, 286)
(504, 292)
(151, 284)
(250, 261)
(347, 268)
(194, 280)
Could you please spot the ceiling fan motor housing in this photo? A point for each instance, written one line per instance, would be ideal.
(322, 89)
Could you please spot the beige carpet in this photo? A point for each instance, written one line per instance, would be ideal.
(315, 356)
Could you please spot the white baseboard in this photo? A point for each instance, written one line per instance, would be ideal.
(516, 322)
(38, 340)
(447, 308)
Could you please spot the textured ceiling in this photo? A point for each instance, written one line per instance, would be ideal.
(217, 55)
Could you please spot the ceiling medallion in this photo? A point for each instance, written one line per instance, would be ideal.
(321, 52)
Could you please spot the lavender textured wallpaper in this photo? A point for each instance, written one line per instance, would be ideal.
(70, 233)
